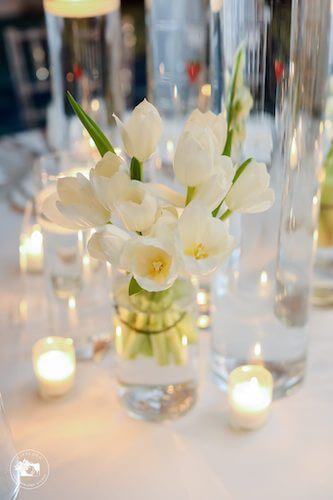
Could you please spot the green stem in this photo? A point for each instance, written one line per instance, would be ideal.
(233, 88)
(241, 169)
(228, 143)
(226, 214)
(189, 194)
(239, 172)
(216, 210)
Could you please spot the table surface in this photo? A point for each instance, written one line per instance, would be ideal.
(96, 451)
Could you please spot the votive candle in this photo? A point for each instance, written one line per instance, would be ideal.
(54, 365)
(250, 389)
(31, 250)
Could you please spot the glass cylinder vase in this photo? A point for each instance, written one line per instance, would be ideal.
(177, 36)
(323, 271)
(261, 298)
(77, 285)
(157, 349)
(9, 472)
(84, 39)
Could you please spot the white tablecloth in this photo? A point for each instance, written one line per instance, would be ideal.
(96, 451)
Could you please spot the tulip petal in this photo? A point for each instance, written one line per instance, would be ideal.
(108, 244)
(50, 210)
(203, 241)
(128, 146)
(165, 193)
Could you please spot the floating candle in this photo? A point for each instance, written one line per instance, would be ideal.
(80, 8)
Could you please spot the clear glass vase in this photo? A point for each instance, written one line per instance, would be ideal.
(177, 36)
(9, 477)
(84, 39)
(261, 297)
(323, 271)
(157, 350)
(323, 278)
(77, 285)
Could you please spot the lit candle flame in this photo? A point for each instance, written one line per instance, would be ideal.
(202, 298)
(257, 350)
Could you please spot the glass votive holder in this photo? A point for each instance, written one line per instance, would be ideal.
(250, 390)
(54, 365)
(31, 250)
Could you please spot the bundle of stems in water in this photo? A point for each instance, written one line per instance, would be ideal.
(155, 324)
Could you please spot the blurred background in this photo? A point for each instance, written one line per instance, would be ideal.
(24, 71)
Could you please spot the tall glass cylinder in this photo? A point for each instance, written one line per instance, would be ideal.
(323, 275)
(84, 41)
(261, 297)
(303, 160)
(9, 475)
(177, 38)
(77, 285)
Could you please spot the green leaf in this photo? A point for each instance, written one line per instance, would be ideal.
(135, 169)
(228, 143)
(233, 85)
(134, 287)
(241, 169)
(102, 143)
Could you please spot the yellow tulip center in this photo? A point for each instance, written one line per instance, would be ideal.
(158, 266)
(199, 252)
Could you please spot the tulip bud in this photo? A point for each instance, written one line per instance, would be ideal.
(142, 132)
(251, 192)
(195, 155)
(216, 123)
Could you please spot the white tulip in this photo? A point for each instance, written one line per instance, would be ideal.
(165, 224)
(142, 132)
(213, 190)
(103, 176)
(51, 212)
(108, 165)
(78, 203)
(151, 262)
(135, 206)
(195, 155)
(251, 192)
(216, 123)
(108, 244)
(166, 194)
(203, 241)
(243, 104)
